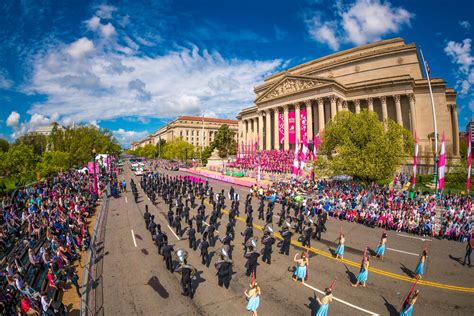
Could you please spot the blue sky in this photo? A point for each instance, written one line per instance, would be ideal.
(132, 66)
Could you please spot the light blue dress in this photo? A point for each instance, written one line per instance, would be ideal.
(300, 272)
(323, 310)
(380, 250)
(363, 276)
(407, 311)
(253, 303)
(419, 268)
(340, 250)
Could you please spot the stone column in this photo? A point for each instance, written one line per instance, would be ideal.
(357, 106)
(276, 140)
(297, 122)
(268, 130)
(309, 119)
(339, 105)
(321, 113)
(456, 130)
(370, 104)
(333, 100)
(398, 109)
(285, 124)
(411, 98)
(260, 130)
(383, 100)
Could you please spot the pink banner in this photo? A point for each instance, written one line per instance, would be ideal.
(281, 128)
(291, 127)
(303, 127)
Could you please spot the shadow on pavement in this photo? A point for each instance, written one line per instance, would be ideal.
(457, 259)
(392, 310)
(352, 277)
(407, 271)
(156, 285)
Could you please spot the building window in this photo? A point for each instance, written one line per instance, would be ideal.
(187, 132)
(192, 132)
(181, 133)
(197, 133)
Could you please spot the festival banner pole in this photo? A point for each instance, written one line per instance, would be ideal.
(469, 160)
(415, 158)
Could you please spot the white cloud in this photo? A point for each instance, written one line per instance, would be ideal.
(80, 47)
(361, 22)
(110, 84)
(460, 54)
(13, 119)
(5, 82)
(93, 23)
(465, 24)
(126, 137)
(107, 30)
(105, 11)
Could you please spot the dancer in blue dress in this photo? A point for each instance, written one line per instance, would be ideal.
(421, 265)
(408, 308)
(380, 250)
(301, 268)
(324, 302)
(363, 274)
(253, 297)
(340, 247)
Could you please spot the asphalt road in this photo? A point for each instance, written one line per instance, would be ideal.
(136, 282)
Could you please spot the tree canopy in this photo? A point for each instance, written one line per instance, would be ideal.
(362, 146)
(4, 145)
(224, 141)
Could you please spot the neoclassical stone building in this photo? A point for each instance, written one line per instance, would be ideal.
(384, 77)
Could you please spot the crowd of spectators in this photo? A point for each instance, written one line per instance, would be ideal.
(43, 229)
(270, 161)
(173, 165)
(389, 207)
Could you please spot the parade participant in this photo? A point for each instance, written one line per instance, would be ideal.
(247, 233)
(253, 297)
(191, 236)
(467, 256)
(177, 225)
(340, 247)
(167, 251)
(210, 234)
(204, 245)
(363, 274)
(408, 308)
(319, 226)
(380, 250)
(421, 265)
(268, 242)
(307, 235)
(199, 220)
(301, 267)
(260, 210)
(146, 216)
(285, 244)
(252, 262)
(324, 302)
(224, 270)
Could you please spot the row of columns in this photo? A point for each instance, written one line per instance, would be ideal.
(251, 132)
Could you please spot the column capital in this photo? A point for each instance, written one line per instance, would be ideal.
(411, 97)
(260, 113)
(370, 100)
(333, 98)
(396, 97)
(285, 107)
(320, 101)
(307, 102)
(356, 101)
(383, 99)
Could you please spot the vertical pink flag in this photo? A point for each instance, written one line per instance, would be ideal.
(281, 128)
(469, 160)
(303, 127)
(441, 165)
(291, 127)
(415, 158)
(296, 161)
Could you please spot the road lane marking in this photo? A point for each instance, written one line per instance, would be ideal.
(372, 269)
(126, 201)
(406, 252)
(412, 237)
(342, 301)
(173, 232)
(133, 237)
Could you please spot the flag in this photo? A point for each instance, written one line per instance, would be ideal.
(469, 160)
(237, 152)
(441, 165)
(295, 160)
(415, 157)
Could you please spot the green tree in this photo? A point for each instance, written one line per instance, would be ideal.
(361, 146)
(53, 161)
(20, 163)
(4, 145)
(225, 141)
(177, 149)
(38, 141)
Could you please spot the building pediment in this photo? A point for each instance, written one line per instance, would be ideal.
(290, 85)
